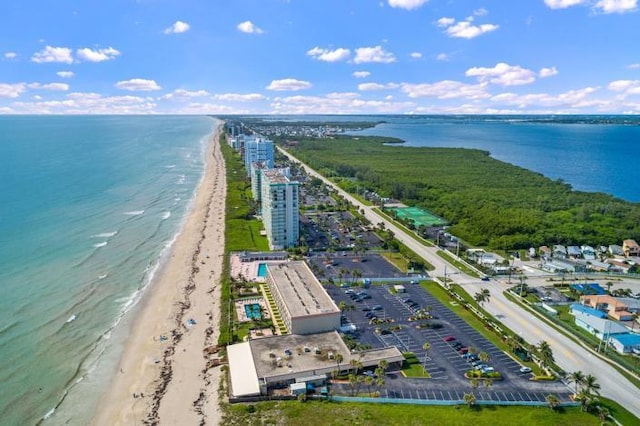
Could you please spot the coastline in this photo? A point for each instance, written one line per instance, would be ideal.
(162, 376)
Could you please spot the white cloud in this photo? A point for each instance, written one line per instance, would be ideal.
(633, 66)
(11, 90)
(415, 55)
(288, 84)
(562, 4)
(446, 89)
(442, 57)
(10, 55)
(373, 54)
(548, 72)
(616, 6)
(377, 86)
(209, 108)
(480, 12)
(50, 86)
(89, 103)
(65, 74)
(407, 4)
(361, 74)
(571, 99)
(445, 22)
(464, 29)
(53, 54)
(182, 94)
(626, 87)
(327, 55)
(178, 27)
(503, 74)
(138, 85)
(336, 103)
(239, 97)
(249, 28)
(99, 55)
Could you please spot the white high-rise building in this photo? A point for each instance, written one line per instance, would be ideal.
(257, 149)
(280, 209)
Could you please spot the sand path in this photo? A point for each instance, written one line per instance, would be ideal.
(167, 381)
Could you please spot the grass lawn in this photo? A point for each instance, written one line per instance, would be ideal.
(396, 259)
(347, 413)
(415, 370)
(618, 412)
(464, 268)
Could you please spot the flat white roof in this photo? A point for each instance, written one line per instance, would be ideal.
(300, 289)
(242, 369)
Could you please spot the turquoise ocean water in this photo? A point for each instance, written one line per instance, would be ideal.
(88, 205)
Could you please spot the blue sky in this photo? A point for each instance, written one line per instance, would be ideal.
(312, 56)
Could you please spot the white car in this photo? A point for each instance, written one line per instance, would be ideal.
(525, 370)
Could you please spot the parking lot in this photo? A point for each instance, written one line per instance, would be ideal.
(444, 363)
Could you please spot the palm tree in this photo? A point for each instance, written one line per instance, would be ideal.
(426, 346)
(609, 284)
(369, 382)
(483, 356)
(353, 380)
(482, 296)
(591, 384)
(469, 399)
(338, 358)
(474, 383)
(379, 383)
(603, 413)
(552, 400)
(545, 352)
(577, 378)
(488, 383)
(383, 365)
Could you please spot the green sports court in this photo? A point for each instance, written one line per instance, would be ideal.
(419, 216)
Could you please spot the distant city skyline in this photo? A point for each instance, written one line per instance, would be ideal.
(320, 57)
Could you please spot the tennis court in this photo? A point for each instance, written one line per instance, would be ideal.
(419, 216)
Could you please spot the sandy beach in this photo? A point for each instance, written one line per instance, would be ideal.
(163, 375)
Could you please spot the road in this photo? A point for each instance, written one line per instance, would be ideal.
(568, 355)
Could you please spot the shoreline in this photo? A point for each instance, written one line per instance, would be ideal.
(163, 374)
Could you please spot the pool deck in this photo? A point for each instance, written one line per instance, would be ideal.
(247, 271)
(242, 314)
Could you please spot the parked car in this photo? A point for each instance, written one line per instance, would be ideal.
(476, 363)
(488, 370)
(449, 339)
(376, 308)
(471, 357)
(457, 345)
(463, 350)
(525, 369)
(366, 309)
(479, 367)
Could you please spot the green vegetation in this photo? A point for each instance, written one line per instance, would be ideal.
(488, 202)
(343, 413)
(242, 232)
(242, 229)
(463, 267)
(618, 412)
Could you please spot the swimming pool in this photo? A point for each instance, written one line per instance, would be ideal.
(262, 270)
(253, 311)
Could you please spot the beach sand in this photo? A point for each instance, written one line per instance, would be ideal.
(163, 376)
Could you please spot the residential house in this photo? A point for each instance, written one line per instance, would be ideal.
(609, 304)
(618, 266)
(616, 250)
(588, 252)
(586, 310)
(596, 265)
(574, 252)
(630, 248)
(559, 251)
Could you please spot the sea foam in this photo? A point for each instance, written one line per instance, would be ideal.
(105, 235)
(166, 215)
(102, 244)
(134, 213)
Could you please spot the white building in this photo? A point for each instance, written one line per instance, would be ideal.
(256, 150)
(303, 303)
(279, 198)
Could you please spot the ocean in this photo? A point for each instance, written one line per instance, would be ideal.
(88, 206)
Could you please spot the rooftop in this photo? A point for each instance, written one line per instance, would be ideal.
(275, 176)
(300, 290)
(627, 338)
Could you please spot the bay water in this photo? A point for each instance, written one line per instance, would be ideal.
(88, 206)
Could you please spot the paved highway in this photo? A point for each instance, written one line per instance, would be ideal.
(568, 355)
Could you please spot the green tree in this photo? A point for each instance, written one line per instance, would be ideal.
(469, 399)
(591, 384)
(552, 400)
(545, 353)
(577, 378)
(338, 358)
(482, 296)
(425, 346)
(483, 356)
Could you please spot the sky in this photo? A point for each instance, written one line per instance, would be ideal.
(320, 57)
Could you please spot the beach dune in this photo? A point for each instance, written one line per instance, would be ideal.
(162, 376)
